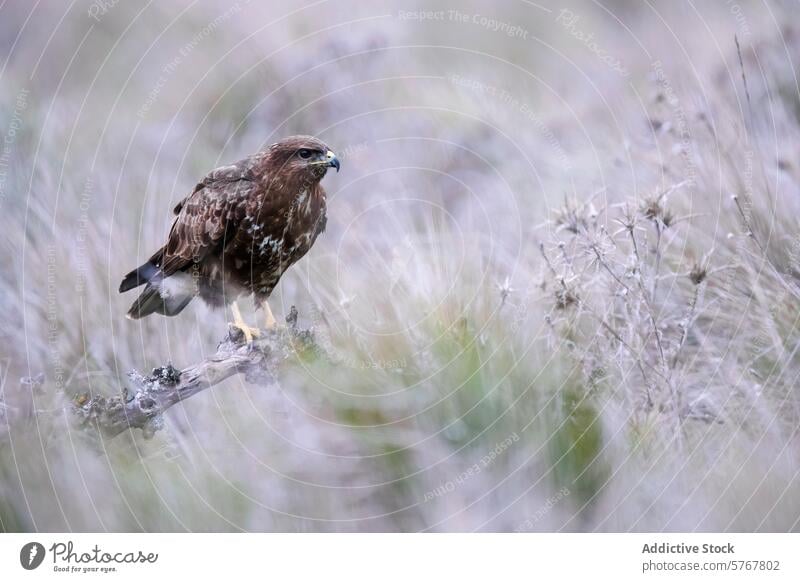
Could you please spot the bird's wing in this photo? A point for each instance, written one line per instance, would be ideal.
(213, 209)
(241, 170)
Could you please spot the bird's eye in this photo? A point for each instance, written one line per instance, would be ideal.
(305, 154)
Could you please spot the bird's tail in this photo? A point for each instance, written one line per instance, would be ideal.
(142, 274)
(154, 300)
(164, 295)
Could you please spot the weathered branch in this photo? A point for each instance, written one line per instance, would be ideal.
(165, 386)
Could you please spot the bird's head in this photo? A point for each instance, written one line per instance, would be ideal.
(302, 158)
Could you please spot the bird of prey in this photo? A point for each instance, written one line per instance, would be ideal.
(238, 231)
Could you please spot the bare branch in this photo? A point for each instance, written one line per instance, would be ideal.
(166, 386)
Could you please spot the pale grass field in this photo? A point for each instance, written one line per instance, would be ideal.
(558, 290)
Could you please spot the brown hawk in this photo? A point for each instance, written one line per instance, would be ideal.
(238, 232)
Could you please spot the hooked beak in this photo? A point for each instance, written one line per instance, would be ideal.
(332, 161)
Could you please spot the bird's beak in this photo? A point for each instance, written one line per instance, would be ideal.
(333, 162)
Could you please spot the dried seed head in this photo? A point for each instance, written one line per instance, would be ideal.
(698, 274)
(627, 219)
(653, 209)
(565, 298)
(571, 217)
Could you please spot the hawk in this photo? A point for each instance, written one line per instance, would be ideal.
(239, 230)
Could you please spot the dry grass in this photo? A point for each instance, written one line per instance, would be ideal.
(551, 296)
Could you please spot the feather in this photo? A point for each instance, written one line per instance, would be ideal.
(138, 276)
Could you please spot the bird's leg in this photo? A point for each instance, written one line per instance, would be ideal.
(269, 319)
(238, 321)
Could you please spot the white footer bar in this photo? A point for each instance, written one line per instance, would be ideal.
(406, 557)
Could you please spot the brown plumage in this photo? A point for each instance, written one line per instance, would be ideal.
(239, 230)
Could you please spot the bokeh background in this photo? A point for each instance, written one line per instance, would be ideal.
(558, 289)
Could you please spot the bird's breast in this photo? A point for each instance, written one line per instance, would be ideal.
(272, 237)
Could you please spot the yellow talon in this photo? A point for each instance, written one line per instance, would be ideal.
(238, 321)
(269, 319)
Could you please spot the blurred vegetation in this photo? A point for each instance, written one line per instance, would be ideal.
(538, 304)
